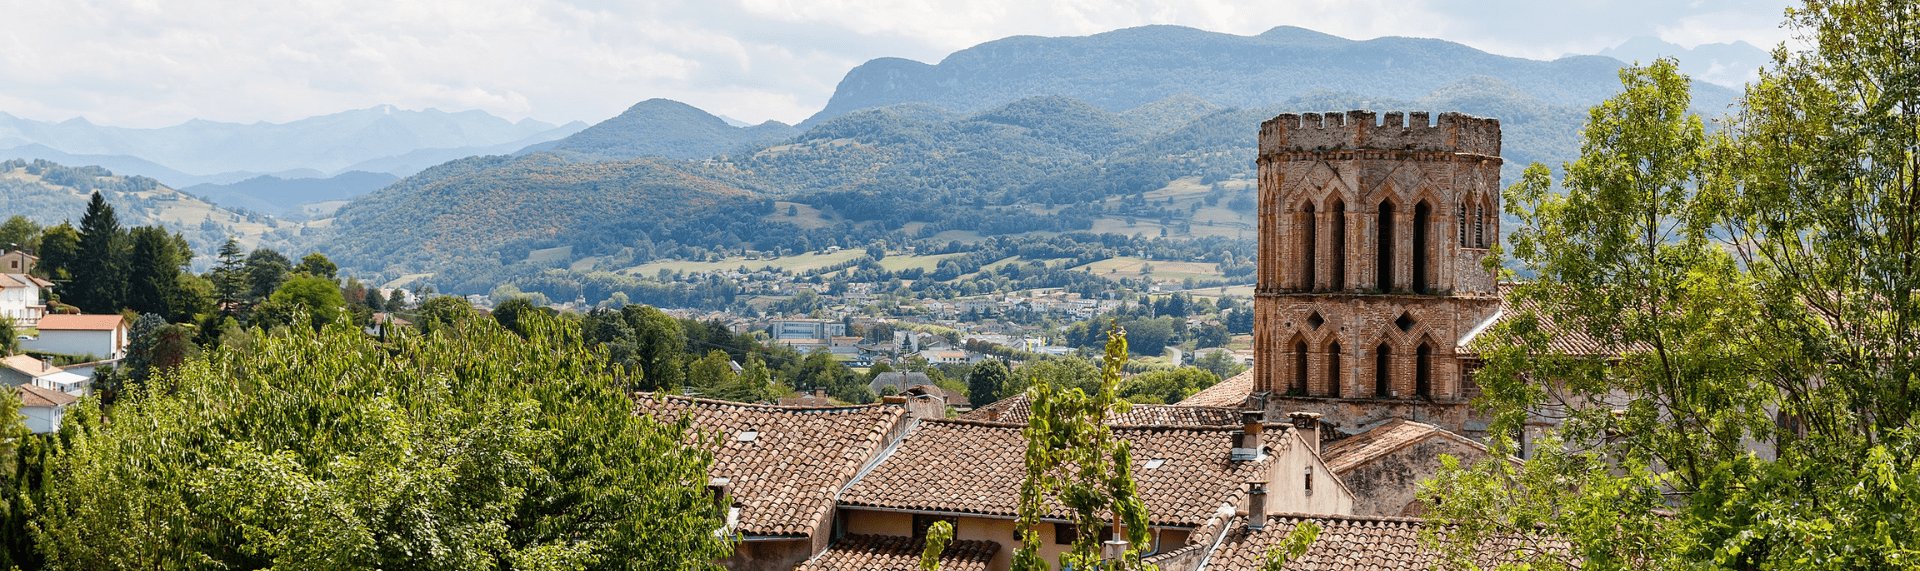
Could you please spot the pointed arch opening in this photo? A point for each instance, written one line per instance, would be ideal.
(1422, 212)
(1333, 369)
(1337, 244)
(1307, 250)
(1423, 371)
(1383, 247)
(1300, 366)
(1382, 367)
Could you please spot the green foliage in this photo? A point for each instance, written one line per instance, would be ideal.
(1166, 387)
(317, 265)
(469, 447)
(20, 233)
(986, 382)
(318, 298)
(265, 270)
(1221, 364)
(229, 275)
(99, 271)
(443, 312)
(938, 536)
(158, 264)
(59, 252)
(1074, 461)
(1292, 547)
(1756, 286)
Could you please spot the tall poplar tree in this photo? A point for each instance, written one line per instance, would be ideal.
(99, 275)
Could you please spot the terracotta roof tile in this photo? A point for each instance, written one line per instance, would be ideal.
(31, 395)
(977, 467)
(29, 365)
(787, 472)
(1563, 339)
(1014, 410)
(1364, 543)
(1386, 438)
(856, 552)
(1228, 393)
(69, 322)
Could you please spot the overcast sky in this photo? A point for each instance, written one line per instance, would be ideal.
(150, 63)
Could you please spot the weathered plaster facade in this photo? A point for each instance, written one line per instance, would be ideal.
(1371, 240)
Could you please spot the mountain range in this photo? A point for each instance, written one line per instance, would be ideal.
(1017, 135)
(199, 151)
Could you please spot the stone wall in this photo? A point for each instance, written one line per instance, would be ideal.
(1388, 486)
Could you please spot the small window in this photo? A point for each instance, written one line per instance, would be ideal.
(1309, 480)
(1405, 322)
(1154, 463)
(1065, 533)
(1315, 321)
(748, 436)
(921, 522)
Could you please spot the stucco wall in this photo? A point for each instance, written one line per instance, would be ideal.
(1000, 531)
(97, 343)
(768, 555)
(1287, 483)
(43, 419)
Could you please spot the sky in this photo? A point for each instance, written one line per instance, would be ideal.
(153, 63)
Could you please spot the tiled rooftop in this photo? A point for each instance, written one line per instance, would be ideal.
(1014, 410)
(1231, 392)
(1193, 477)
(35, 396)
(1390, 436)
(1564, 339)
(59, 322)
(890, 553)
(1364, 543)
(785, 463)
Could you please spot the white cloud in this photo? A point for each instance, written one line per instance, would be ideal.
(144, 63)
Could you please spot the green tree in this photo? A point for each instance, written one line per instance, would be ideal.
(316, 297)
(1166, 387)
(443, 312)
(659, 344)
(317, 265)
(508, 313)
(99, 283)
(1074, 461)
(938, 536)
(59, 251)
(229, 275)
(1758, 287)
(331, 449)
(1221, 364)
(265, 270)
(19, 233)
(984, 385)
(153, 279)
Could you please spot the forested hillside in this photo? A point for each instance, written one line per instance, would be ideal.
(662, 128)
(49, 193)
(480, 206)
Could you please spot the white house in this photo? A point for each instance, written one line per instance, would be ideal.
(20, 298)
(103, 336)
(43, 407)
(16, 370)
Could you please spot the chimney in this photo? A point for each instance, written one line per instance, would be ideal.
(1257, 506)
(722, 490)
(1308, 423)
(46, 363)
(895, 400)
(1113, 549)
(820, 393)
(1247, 441)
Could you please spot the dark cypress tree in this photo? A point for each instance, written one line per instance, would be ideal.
(99, 282)
(153, 273)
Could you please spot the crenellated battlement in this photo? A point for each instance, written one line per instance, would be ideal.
(1353, 130)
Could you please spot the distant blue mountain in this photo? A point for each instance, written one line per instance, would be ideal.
(273, 195)
(1725, 64)
(325, 143)
(1124, 69)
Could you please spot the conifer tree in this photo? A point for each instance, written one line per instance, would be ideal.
(99, 283)
(154, 271)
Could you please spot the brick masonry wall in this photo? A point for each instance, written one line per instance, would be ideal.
(1321, 174)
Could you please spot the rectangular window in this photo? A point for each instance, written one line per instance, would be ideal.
(923, 521)
(1065, 533)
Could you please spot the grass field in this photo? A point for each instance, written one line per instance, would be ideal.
(896, 263)
(1131, 267)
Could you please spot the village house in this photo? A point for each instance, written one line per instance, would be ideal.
(1191, 478)
(17, 262)
(43, 408)
(103, 336)
(25, 370)
(20, 298)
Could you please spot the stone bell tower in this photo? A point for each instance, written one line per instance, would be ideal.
(1371, 240)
